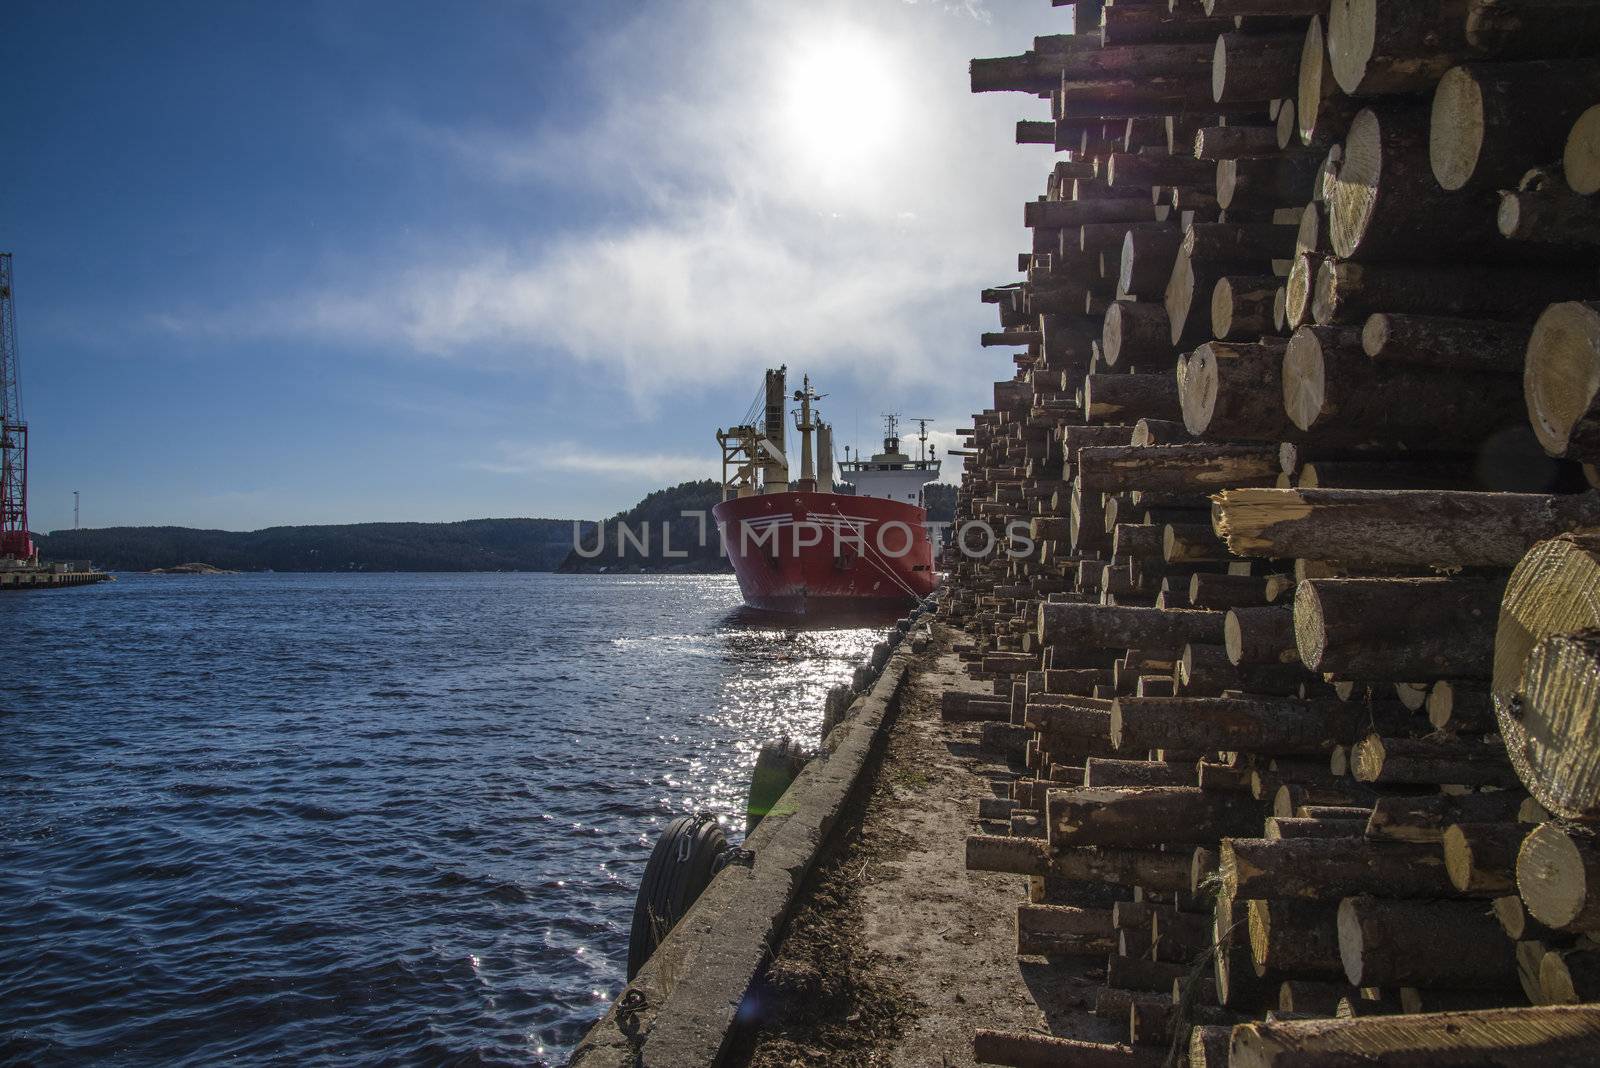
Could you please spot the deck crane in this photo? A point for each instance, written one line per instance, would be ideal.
(15, 541)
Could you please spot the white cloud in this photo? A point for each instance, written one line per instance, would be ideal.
(809, 184)
(521, 458)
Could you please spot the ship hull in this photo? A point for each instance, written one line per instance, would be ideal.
(811, 553)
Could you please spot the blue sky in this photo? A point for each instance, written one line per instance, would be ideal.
(335, 262)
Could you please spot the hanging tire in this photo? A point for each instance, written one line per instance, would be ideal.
(679, 869)
(776, 767)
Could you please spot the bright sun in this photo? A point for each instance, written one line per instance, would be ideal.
(838, 91)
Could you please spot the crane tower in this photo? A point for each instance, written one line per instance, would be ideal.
(15, 541)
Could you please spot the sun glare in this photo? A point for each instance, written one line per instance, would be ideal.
(838, 91)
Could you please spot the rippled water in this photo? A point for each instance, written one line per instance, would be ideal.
(360, 817)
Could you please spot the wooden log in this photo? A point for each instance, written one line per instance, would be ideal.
(1389, 629)
(1481, 858)
(1558, 877)
(1142, 171)
(1148, 817)
(1220, 593)
(1278, 181)
(1553, 216)
(1246, 67)
(1253, 723)
(972, 708)
(1278, 827)
(1052, 930)
(1298, 938)
(1386, 203)
(1189, 544)
(1208, 1046)
(1554, 590)
(1206, 671)
(1136, 334)
(1260, 635)
(1235, 247)
(1460, 707)
(1322, 110)
(1560, 383)
(1122, 24)
(1439, 760)
(1444, 528)
(1406, 943)
(1183, 469)
(1132, 973)
(1443, 342)
(1241, 306)
(1122, 627)
(1380, 47)
(1230, 142)
(1530, 29)
(1145, 266)
(1331, 869)
(1233, 391)
(1580, 159)
(1424, 820)
(1490, 119)
(1545, 1037)
(1129, 398)
(1030, 1050)
(1107, 771)
(1567, 977)
(1348, 293)
(1070, 213)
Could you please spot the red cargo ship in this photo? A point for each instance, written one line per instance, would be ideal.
(801, 549)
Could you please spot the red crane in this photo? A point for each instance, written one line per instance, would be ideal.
(14, 538)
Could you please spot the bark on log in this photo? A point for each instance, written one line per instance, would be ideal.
(1438, 943)
(1279, 827)
(1331, 869)
(1460, 707)
(1446, 528)
(1396, 629)
(1146, 264)
(1233, 392)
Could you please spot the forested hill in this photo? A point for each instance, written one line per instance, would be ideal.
(471, 545)
(677, 512)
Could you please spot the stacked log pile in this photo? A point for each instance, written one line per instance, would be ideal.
(1277, 546)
